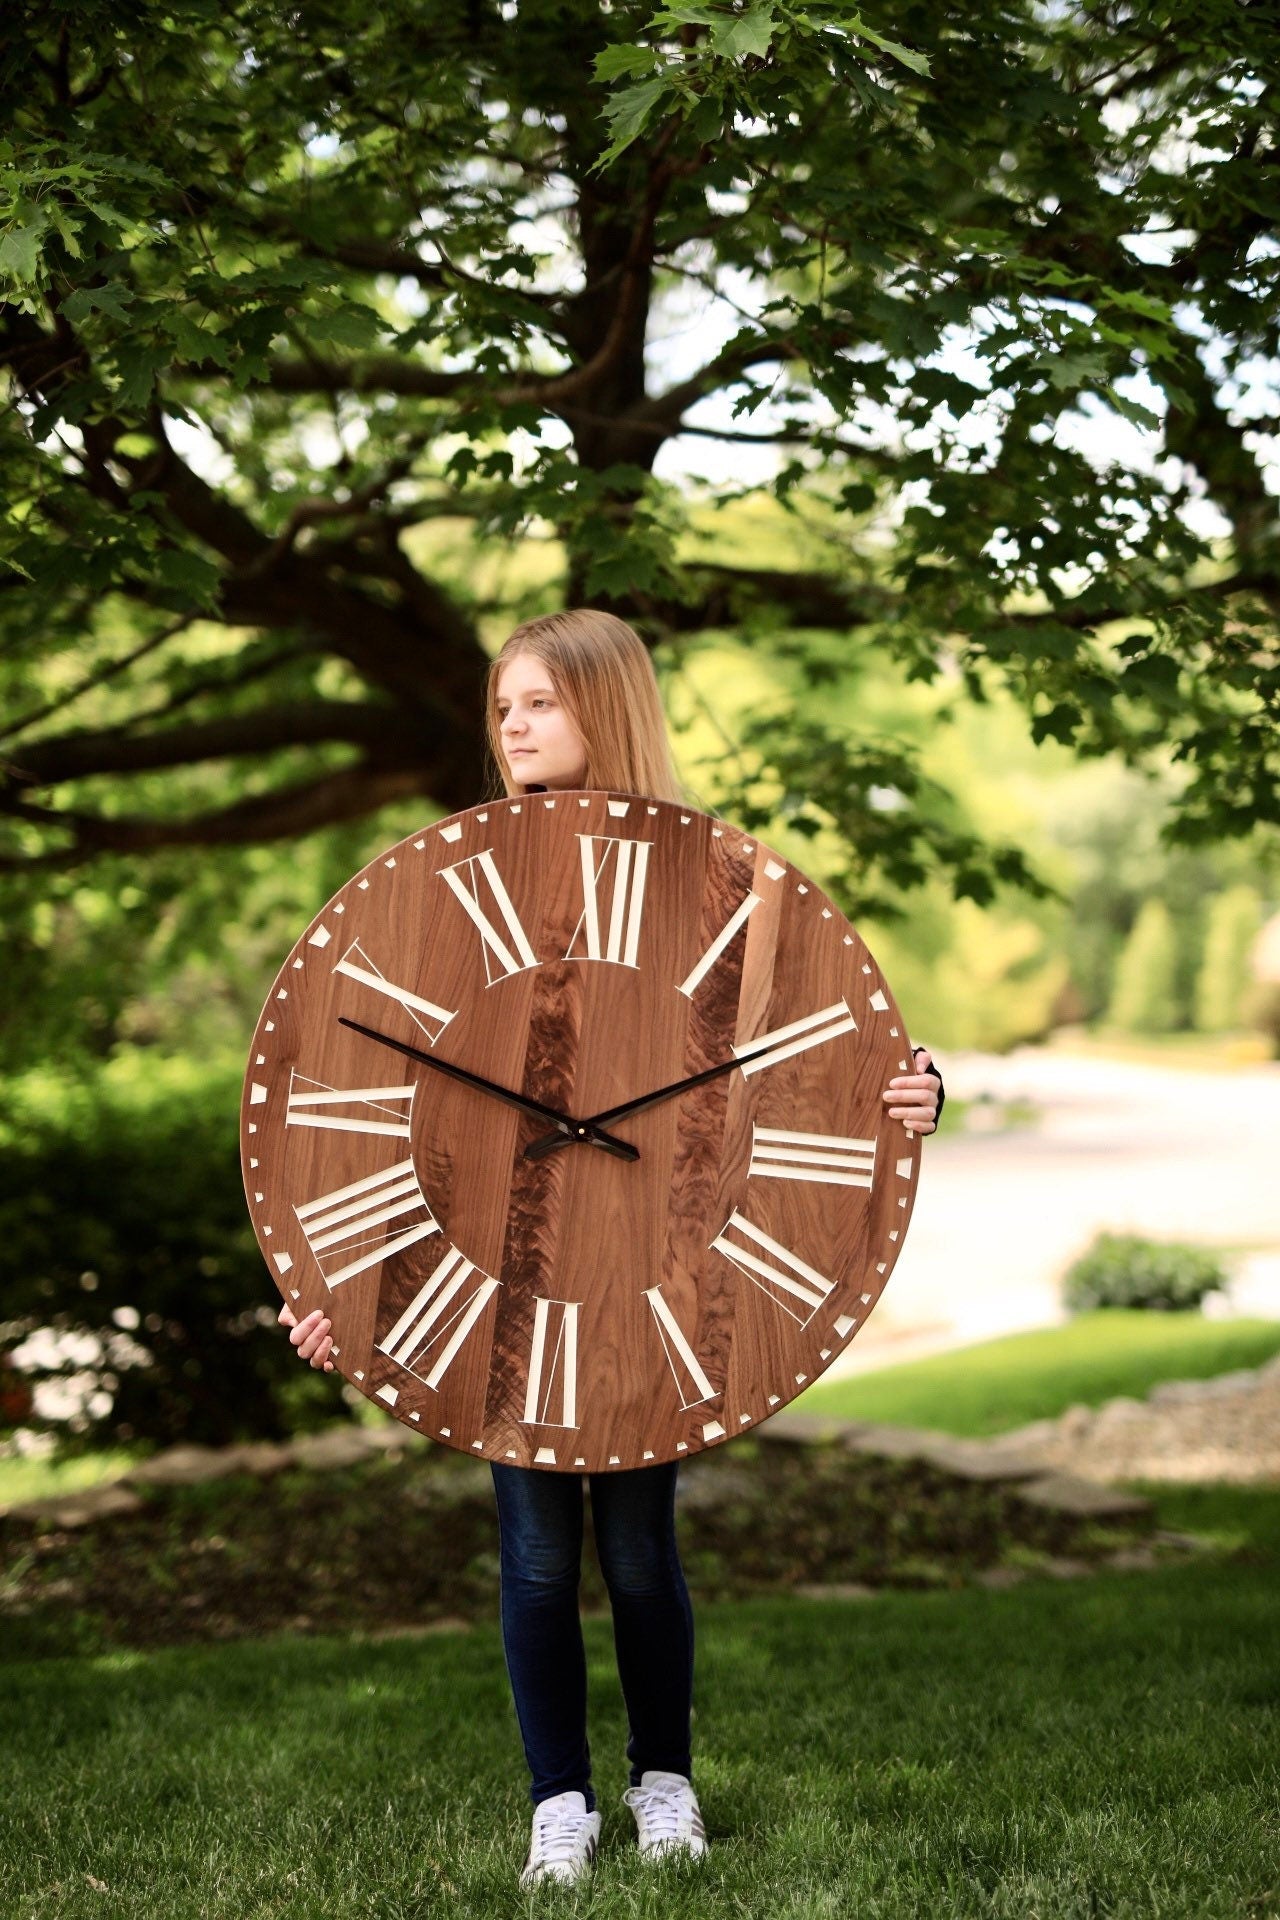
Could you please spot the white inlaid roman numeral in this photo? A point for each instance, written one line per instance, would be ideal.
(553, 1363)
(464, 880)
(381, 1110)
(630, 866)
(692, 1383)
(793, 1282)
(779, 1154)
(347, 1230)
(357, 965)
(812, 1031)
(442, 1309)
(736, 920)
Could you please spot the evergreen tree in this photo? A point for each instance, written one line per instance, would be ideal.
(1222, 982)
(1143, 996)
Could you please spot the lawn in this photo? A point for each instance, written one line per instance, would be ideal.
(1058, 1750)
(1001, 1384)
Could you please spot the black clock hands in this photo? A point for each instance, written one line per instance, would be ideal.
(548, 1142)
(567, 1131)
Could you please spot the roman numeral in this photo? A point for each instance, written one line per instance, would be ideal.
(479, 866)
(553, 1361)
(736, 920)
(438, 1311)
(351, 1225)
(626, 901)
(781, 1155)
(793, 1281)
(692, 1383)
(357, 965)
(812, 1031)
(380, 1110)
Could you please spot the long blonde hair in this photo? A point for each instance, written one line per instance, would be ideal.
(600, 668)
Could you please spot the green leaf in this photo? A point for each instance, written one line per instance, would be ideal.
(627, 113)
(136, 368)
(86, 300)
(350, 326)
(614, 62)
(20, 252)
(918, 62)
(1060, 723)
(745, 34)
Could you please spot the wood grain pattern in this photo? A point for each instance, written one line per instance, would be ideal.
(432, 1250)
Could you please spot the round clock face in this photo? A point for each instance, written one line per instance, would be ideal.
(452, 1142)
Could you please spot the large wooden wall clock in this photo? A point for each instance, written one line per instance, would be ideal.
(567, 1111)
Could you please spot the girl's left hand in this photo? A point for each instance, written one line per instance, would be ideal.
(913, 1097)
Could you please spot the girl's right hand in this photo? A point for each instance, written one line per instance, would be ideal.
(312, 1336)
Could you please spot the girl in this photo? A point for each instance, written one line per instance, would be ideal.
(572, 702)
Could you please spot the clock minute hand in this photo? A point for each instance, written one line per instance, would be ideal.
(547, 1142)
(567, 1130)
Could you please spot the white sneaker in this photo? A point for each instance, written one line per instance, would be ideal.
(668, 1818)
(563, 1843)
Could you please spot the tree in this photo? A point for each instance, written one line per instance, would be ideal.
(1143, 999)
(293, 288)
(1222, 984)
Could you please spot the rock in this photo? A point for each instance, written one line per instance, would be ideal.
(835, 1590)
(895, 1443)
(182, 1467)
(984, 1461)
(1064, 1493)
(261, 1458)
(334, 1449)
(1132, 1560)
(71, 1510)
(1064, 1569)
(1075, 1421)
(998, 1578)
(707, 1483)
(802, 1429)
(1119, 1412)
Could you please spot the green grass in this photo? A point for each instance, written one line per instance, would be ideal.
(41, 1477)
(1059, 1750)
(1002, 1384)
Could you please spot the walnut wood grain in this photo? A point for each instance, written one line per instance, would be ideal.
(580, 1228)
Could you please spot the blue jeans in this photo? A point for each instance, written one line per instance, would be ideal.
(540, 1529)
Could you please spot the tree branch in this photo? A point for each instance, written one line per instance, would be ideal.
(284, 814)
(76, 756)
(111, 671)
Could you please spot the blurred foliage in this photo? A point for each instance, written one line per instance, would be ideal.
(1222, 984)
(1122, 1270)
(1143, 995)
(128, 1246)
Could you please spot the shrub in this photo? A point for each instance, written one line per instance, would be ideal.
(1222, 983)
(123, 1230)
(1122, 1270)
(1144, 991)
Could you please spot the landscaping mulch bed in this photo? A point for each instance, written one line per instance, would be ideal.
(411, 1539)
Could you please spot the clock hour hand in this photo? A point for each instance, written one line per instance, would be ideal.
(567, 1131)
(548, 1142)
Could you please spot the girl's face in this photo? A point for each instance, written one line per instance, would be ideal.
(542, 746)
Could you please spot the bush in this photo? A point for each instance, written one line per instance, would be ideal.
(1144, 991)
(1121, 1270)
(1223, 981)
(126, 1245)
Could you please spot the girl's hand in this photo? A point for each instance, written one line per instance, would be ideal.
(312, 1336)
(914, 1096)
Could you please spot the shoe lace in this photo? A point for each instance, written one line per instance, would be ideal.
(557, 1833)
(663, 1805)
